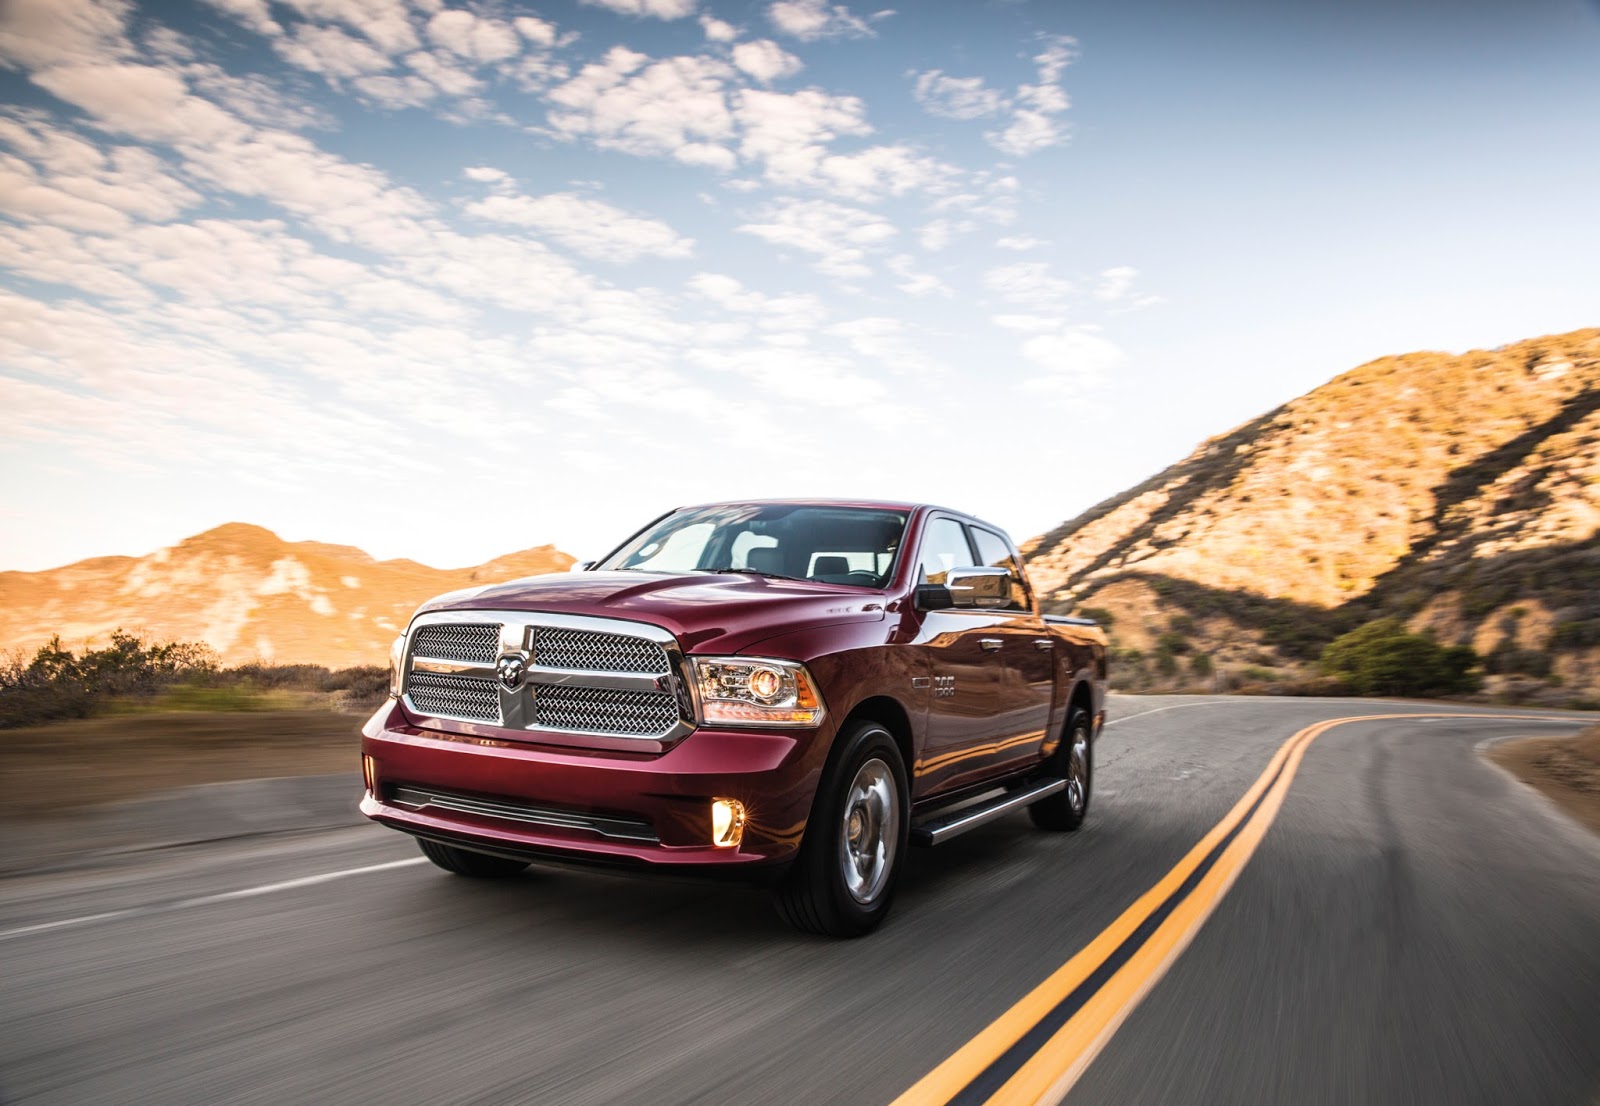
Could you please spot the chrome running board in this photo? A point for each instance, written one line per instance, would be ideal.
(941, 828)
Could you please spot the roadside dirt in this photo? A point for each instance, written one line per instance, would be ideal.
(1565, 768)
(45, 770)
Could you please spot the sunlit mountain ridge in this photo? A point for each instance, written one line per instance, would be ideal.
(1459, 493)
(247, 593)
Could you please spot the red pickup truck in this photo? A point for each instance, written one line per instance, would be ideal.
(791, 690)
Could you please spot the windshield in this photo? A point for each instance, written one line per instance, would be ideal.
(831, 545)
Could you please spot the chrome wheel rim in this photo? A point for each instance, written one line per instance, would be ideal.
(1078, 770)
(869, 831)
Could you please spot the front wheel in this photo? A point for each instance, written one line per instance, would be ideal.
(1073, 761)
(464, 862)
(843, 881)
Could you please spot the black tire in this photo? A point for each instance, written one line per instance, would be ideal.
(1066, 810)
(464, 862)
(816, 894)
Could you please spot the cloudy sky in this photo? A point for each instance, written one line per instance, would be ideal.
(449, 278)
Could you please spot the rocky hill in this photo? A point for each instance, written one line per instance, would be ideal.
(247, 593)
(1460, 493)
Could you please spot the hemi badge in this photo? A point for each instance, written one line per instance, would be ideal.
(921, 681)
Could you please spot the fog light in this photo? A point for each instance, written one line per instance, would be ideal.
(369, 774)
(727, 823)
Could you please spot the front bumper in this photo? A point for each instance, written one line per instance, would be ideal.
(488, 781)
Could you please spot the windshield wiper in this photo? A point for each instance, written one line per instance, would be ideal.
(753, 572)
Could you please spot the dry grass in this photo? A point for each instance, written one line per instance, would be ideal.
(45, 770)
(1567, 769)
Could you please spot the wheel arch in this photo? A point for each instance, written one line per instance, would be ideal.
(1082, 696)
(891, 714)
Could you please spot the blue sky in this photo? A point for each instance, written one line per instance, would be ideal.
(444, 280)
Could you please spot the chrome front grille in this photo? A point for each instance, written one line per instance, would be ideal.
(473, 642)
(555, 647)
(604, 710)
(475, 700)
(605, 682)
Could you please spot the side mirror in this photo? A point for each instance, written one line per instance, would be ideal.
(582, 566)
(978, 587)
(933, 597)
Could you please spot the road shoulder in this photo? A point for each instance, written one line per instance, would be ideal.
(1566, 770)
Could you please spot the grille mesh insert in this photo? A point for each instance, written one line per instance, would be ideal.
(604, 710)
(454, 696)
(595, 652)
(475, 642)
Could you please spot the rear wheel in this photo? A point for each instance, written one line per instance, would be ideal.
(843, 881)
(1072, 761)
(464, 862)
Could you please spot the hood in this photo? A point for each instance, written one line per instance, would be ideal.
(707, 614)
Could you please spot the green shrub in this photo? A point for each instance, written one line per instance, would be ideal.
(57, 684)
(1200, 664)
(1384, 658)
(130, 675)
(1172, 642)
(1100, 615)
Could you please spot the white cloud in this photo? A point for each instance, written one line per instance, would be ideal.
(675, 107)
(838, 236)
(386, 23)
(1076, 359)
(1020, 242)
(765, 60)
(809, 20)
(331, 52)
(473, 37)
(936, 234)
(658, 9)
(957, 97)
(795, 374)
(486, 174)
(996, 201)
(1032, 324)
(789, 131)
(256, 99)
(795, 311)
(886, 340)
(1033, 126)
(142, 101)
(716, 30)
(791, 134)
(1114, 283)
(62, 179)
(1028, 283)
(255, 14)
(589, 227)
(913, 281)
(39, 33)
(535, 30)
(442, 71)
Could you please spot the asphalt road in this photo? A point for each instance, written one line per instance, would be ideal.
(1413, 927)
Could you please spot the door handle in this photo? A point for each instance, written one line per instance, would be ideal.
(989, 644)
(1043, 644)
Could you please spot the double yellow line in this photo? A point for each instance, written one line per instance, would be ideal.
(1035, 1051)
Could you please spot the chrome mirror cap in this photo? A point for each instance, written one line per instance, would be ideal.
(978, 587)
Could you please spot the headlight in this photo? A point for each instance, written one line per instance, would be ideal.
(397, 658)
(754, 691)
